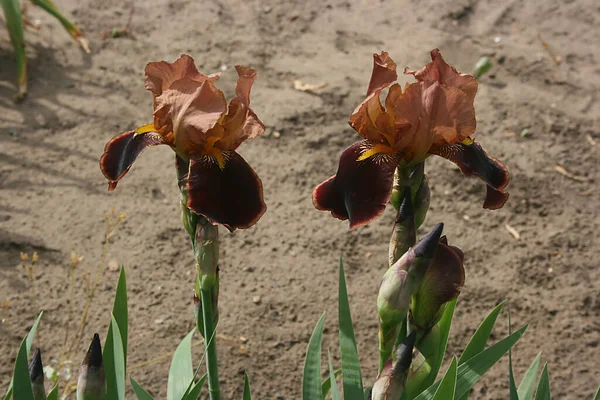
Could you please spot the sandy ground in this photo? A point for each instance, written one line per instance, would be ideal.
(53, 197)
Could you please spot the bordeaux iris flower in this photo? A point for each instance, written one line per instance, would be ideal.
(192, 117)
(434, 115)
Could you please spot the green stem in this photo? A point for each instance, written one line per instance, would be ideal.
(212, 368)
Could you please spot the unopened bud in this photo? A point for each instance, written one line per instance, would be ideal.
(92, 381)
(442, 282)
(418, 375)
(399, 283)
(404, 234)
(390, 382)
(36, 374)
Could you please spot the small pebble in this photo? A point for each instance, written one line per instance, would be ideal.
(256, 299)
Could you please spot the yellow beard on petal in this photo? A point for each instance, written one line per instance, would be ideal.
(211, 151)
(376, 149)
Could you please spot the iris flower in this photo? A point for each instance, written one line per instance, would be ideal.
(192, 117)
(434, 115)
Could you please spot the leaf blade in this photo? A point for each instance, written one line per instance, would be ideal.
(139, 391)
(247, 394)
(471, 371)
(311, 376)
(22, 389)
(447, 387)
(120, 311)
(481, 336)
(527, 385)
(181, 372)
(543, 389)
(114, 362)
(351, 374)
(335, 393)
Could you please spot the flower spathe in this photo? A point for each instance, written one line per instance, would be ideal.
(193, 117)
(434, 115)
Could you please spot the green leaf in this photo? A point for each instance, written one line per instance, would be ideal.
(181, 372)
(527, 385)
(326, 385)
(120, 311)
(194, 391)
(247, 395)
(471, 371)
(511, 376)
(114, 362)
(140, 393)
(444, 326)
(14, 23)
(351, 376)
(335, 393)
(311, 377)
(447, 386)
(22, 389)
(481, 335)
(543, 389)
(53, 395)
(28, 343)
(597, 395)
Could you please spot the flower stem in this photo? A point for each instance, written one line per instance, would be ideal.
(212, 368)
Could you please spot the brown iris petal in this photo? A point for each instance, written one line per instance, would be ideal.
(361, 189)
(473, 160)
(232, 196)
(160, 75)
(442, 282)
(122, 151)
(370, 119)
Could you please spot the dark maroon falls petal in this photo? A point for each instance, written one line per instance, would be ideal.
(232, 196)
(474, 161)
(360, 190)
(122, 151)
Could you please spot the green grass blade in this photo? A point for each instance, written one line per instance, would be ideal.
(114, 362)
(28, 343)
(514, 395)
(444, 331)
(351, 376)
(247, 394)
(311, 377)
(120, 311)
(447, 386)
(53, 395)
(22, 389)
(597, 395)
(181, 372)
(335, 393)
(139, 391)
(14, 23)
(326, 385)
(194, 392)
(481, 335)
(527, 385)
(472, 370)
(543, 389)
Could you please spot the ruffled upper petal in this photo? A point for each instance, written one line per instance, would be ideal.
(231, 196)
(439, 71)
(473, 160)
(122, 151)
(369, 119)
(240, 122)
(189, 110)
(161, 75)
(361, 189)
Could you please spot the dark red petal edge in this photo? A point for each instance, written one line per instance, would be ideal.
(122, 150)
(232, 196)
(361, 189)
(474, 161)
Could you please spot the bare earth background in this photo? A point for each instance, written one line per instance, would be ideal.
(53, 197)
